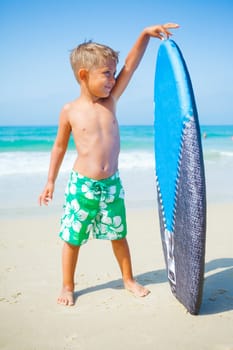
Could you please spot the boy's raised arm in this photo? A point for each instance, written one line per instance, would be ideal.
(136, 53)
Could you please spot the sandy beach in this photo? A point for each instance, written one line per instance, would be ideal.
(105, 315)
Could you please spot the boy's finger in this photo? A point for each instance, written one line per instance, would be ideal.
(171, 25)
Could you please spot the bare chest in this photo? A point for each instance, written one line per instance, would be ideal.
(99, 119)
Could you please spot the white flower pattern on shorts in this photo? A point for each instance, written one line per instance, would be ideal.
(93, 207)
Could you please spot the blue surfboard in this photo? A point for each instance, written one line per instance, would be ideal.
(180, 177)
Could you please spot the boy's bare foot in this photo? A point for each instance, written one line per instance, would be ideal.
(66, 298)
(137, 289)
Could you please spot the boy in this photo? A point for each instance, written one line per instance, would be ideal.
(94, 194)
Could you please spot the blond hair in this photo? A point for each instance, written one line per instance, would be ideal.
(90, 54)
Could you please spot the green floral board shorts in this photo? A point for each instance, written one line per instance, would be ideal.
(93, 207)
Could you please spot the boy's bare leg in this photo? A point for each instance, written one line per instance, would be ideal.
(122, 254)
(69, 260)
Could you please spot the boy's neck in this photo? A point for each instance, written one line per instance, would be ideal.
(86, 96)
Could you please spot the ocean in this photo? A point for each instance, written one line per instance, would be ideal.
(25, 153)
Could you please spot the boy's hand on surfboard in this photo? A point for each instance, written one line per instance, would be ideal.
(161, 31)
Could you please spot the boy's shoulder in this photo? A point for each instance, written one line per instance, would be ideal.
(66, 112)
(70, 107)
(71, 111)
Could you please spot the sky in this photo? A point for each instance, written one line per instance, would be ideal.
(36, 37)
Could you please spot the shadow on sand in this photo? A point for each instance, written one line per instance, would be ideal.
(218, 286)
(152, 277)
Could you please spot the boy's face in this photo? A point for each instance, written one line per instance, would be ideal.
(100, 80)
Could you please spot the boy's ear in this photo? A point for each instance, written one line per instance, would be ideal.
(82, 74)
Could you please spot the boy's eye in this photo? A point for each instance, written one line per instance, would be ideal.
(108, 74)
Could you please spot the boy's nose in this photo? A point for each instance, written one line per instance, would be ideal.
(112, 79)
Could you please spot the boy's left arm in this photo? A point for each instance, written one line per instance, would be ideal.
(136, 53)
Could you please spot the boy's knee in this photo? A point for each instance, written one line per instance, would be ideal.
(119, 242)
